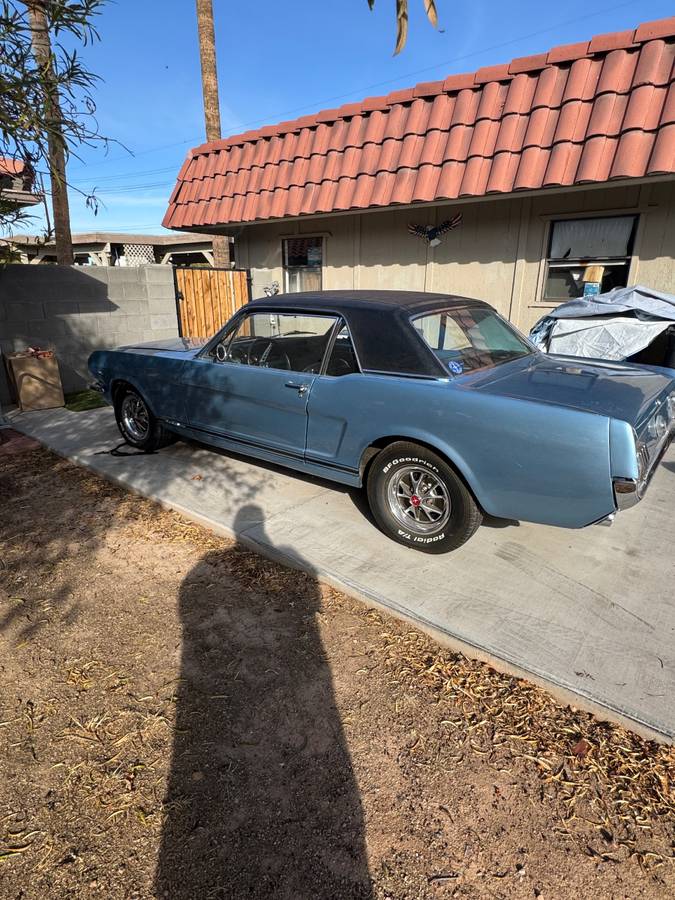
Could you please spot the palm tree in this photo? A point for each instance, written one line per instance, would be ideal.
(42, 51)
(207, 53)
(402, 20)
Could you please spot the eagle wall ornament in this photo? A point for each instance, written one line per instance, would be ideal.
(432, 233)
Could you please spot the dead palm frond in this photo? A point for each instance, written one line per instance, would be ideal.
(402, 20)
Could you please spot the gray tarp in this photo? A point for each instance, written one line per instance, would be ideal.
(611, 337)
(600, 328)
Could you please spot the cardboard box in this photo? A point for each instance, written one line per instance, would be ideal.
(35, 380)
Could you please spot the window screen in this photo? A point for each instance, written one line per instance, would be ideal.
(593, 251)
(303, 261)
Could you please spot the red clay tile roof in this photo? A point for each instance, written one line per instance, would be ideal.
(11, 166)
(595, 111)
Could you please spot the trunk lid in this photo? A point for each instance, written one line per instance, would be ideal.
(620, 390)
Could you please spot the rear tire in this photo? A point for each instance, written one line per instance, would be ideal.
(418, 500)
(137, 425)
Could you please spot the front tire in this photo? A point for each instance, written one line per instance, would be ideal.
(418, 500)
(137, 425)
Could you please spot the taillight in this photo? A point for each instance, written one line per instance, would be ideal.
(670, 406)
(658, 427)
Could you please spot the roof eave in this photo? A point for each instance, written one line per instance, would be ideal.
(20, 198)
(233, 229)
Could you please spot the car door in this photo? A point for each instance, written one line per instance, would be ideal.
(341, 407)
(253, 385)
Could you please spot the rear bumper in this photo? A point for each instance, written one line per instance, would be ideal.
(626, 493)
(629, 491)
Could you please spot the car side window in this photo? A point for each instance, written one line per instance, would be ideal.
(294, 342)
(342, 360)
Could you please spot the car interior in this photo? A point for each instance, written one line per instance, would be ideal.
(293, 352)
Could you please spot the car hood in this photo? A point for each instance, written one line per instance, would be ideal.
(175, 345)
(619, 390)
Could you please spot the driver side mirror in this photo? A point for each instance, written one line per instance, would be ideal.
(221, 352)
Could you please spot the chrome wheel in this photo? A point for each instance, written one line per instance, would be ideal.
(418, 499)
(135, 417)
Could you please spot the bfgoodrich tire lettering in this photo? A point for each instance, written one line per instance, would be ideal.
(419, 500)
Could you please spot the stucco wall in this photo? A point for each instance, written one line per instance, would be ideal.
(76, 310)
(497, 253)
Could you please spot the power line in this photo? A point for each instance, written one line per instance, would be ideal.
(131, 188)
(132, 155)
(123, 175)
(319, 104)
(97, 227)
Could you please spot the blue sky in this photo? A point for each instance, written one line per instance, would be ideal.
(278, 60)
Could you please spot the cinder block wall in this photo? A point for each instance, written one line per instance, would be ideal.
(74, 310)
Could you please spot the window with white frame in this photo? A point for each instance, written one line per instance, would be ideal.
(589, 251)
(303, 262)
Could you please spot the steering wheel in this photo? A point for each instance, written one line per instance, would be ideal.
(275, 358)
(343, 365)
(233, 353)
(271, 356)
(256, 350)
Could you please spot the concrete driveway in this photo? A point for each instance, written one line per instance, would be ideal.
(590, 614)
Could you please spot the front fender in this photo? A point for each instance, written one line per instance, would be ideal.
(108, 370)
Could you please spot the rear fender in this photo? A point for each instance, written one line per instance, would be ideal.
(431, 442)
(522, 460)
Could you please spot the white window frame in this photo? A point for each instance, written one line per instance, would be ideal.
(296, 237)
(550, 218)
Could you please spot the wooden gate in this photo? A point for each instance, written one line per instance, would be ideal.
(207, 298)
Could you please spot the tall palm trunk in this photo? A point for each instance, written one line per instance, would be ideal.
(55, 141)
(207, 53)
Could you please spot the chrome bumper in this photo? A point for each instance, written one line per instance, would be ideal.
(628, 491)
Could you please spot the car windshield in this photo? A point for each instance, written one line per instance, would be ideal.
(469, 338)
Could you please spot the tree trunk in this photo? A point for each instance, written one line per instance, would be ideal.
(55, 142)
(207, 53)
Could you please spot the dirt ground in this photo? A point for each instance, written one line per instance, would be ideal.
(182, 719)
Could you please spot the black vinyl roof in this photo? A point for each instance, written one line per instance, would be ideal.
(379, 322)
(359, 299)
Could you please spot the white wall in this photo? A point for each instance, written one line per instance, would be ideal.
(496, 254)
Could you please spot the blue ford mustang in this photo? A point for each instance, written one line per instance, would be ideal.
(434, 403)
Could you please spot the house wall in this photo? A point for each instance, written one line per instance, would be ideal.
(496, 254)
(75, 310)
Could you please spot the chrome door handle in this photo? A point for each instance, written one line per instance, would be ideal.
(300, 388)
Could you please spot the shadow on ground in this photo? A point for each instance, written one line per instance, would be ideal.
(261, 799)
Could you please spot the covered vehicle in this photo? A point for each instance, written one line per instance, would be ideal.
(434, 403)
(630, 323)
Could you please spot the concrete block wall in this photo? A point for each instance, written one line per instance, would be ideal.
(75, 310)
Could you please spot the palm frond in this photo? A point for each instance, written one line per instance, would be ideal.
(401, 25)
(402, 20)
(430, 10)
